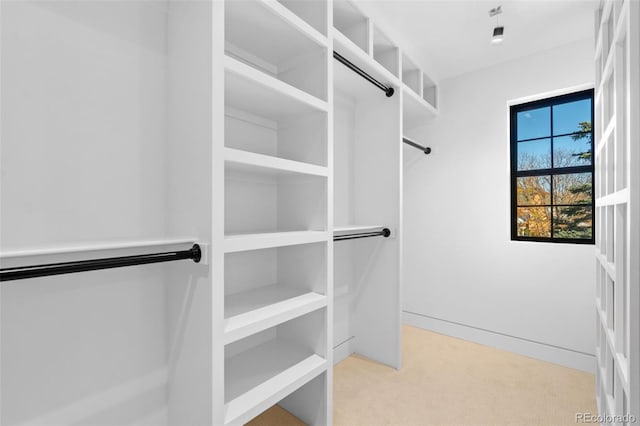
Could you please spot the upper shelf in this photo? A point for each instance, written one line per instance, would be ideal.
(348, 19)
(278, 43)
(415, 109)
(289, 36)
(315, 13)
(255, 92)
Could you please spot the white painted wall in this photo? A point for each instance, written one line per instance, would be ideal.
(463, 274)
(82, 161)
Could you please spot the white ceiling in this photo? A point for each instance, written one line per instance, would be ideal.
(452, 37)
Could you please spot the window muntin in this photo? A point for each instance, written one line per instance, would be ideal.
(552, 169)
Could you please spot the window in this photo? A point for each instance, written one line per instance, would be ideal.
(552, 173)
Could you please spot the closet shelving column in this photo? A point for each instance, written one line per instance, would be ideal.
(367, 190)
(617, 199)
(369, 127)
(276, 279)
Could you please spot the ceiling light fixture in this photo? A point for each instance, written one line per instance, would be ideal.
(498, 31)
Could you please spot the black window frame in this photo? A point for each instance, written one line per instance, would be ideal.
(552, 171)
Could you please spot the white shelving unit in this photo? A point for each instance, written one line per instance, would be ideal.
(229, 142)
(276, 280)
(368, 161)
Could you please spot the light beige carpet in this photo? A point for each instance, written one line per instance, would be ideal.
(448, 381)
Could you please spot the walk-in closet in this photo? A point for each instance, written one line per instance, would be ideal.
(230, 212)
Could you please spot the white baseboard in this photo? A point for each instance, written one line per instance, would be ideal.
(343, 350)
(541, 351)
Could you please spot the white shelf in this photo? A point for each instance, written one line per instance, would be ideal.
(351, 83)
(245, 161)
(260, 377)
(415, 109)
(255, 92)
(243, 242)
(252, 311)
(288, 35)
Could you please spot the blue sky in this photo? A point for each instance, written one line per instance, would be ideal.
(536, 123)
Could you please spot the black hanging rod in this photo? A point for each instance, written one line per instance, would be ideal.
(387, 90)
(424, 149)
(33, 271)
(384, 233)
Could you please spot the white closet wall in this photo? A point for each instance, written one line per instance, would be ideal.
(83, 170)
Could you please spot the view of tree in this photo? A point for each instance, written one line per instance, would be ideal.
(576, 221)
(585, 127)
(571, 198)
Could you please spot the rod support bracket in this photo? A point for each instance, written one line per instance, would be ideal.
(196, 253)
(389, 92)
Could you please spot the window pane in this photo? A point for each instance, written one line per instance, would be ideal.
(534, 155)
(534, 190)
(572, 222)
(534, 222)
(534, 123)
(569, 151)
(567, 118)
(572, 188)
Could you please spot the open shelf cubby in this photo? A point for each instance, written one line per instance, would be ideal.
(283, 283)
(256, 202)
(429, 91)
(313, 13)
(411, 75)
(354, 25)
(293, 52)
(265, 116)
(385, 52)
(415, 109)
(266, 367)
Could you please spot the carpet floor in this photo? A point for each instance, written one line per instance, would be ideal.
(449, 381)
